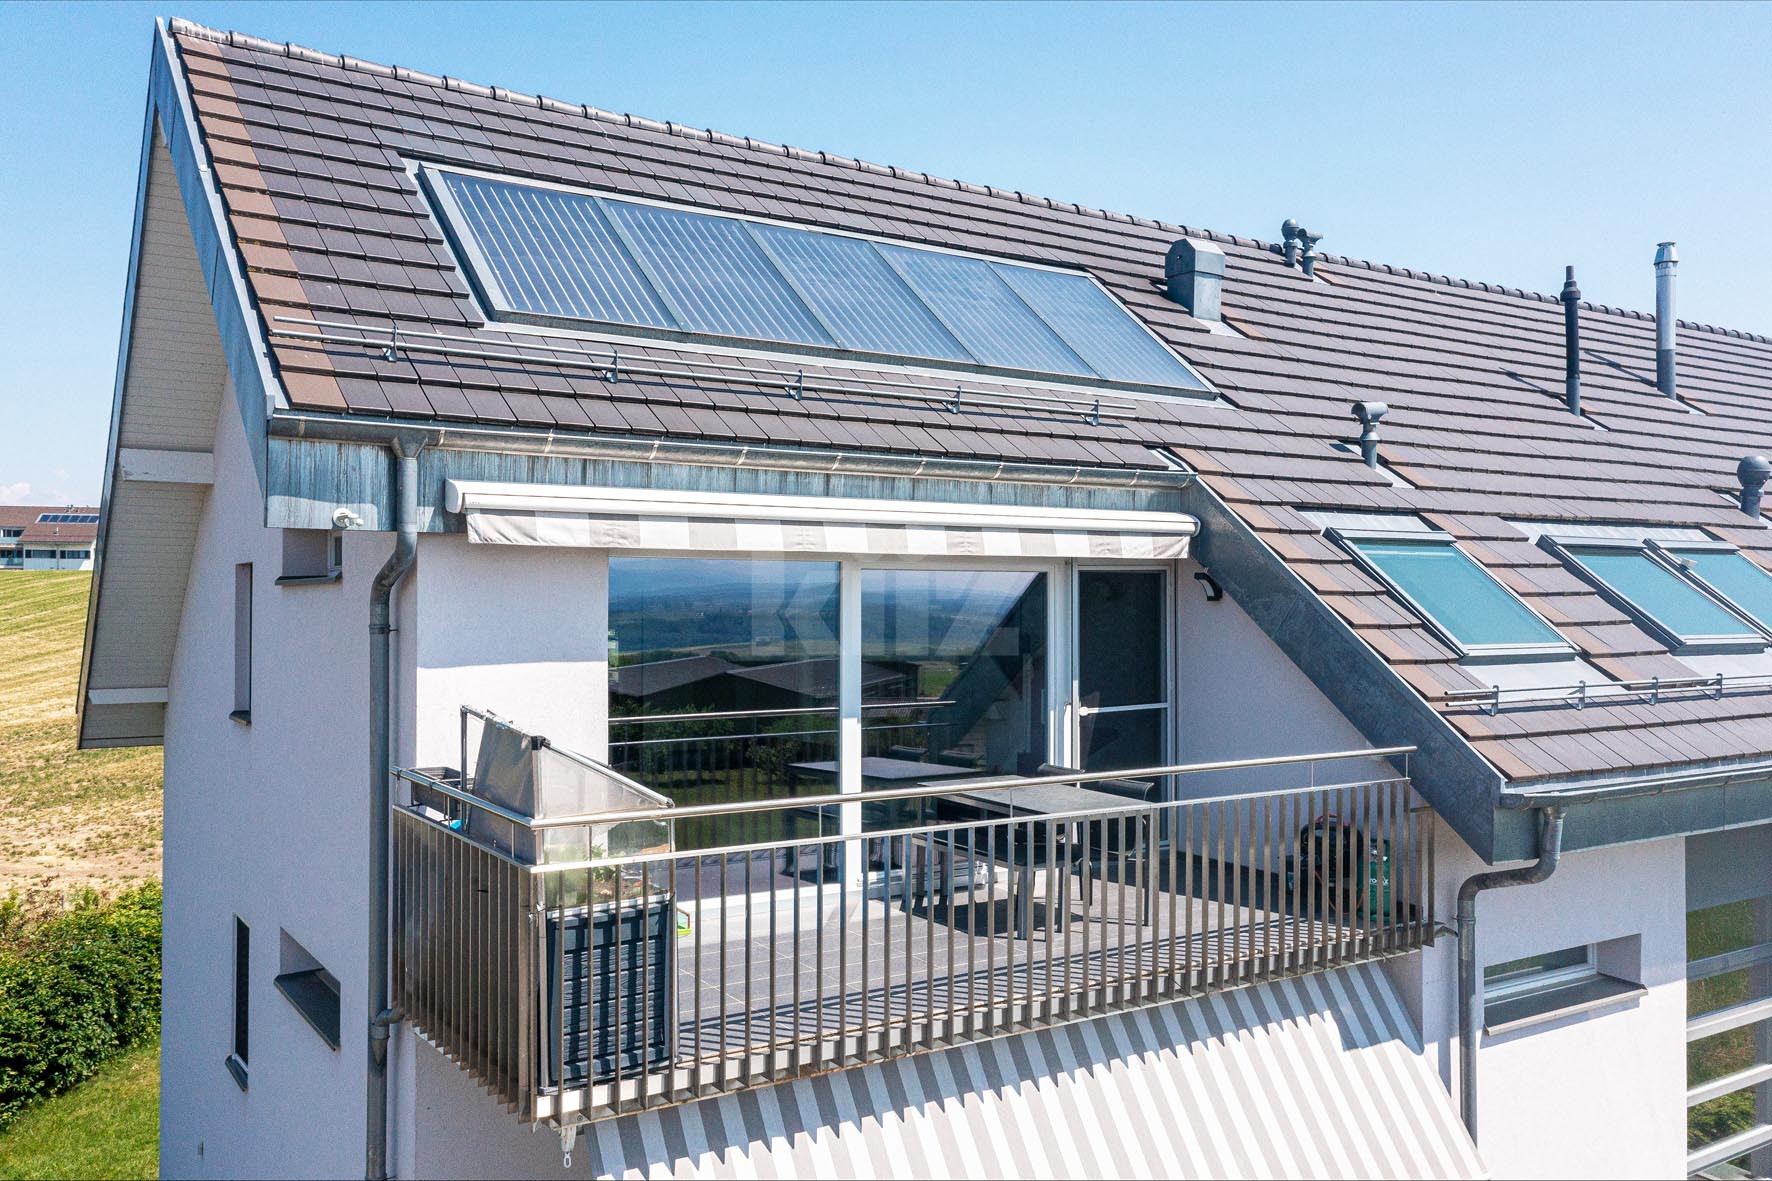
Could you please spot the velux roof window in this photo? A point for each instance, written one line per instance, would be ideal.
(1729, 575)
(1668, 597)
(1459, 600)
(550, 255)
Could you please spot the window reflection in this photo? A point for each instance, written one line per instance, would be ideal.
(724, 637)
(965, 651)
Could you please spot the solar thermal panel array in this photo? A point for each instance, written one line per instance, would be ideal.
(578, 256)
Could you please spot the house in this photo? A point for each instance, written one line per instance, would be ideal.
(1327, 715)
(47, 537)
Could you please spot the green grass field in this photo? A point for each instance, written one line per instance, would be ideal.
(108, 1127)
(70, 820)
(67, 818)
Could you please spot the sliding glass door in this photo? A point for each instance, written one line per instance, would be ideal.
(723, 685)
(1123, 710)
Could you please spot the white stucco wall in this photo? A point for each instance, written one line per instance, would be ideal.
(1597, 1094)
(268, 822)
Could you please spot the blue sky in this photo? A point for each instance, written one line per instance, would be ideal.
(1493, 142)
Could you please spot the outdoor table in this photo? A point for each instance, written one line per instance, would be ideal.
(1051, 799)
(877, 772)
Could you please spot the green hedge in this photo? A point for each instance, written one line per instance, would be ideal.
(75, 989)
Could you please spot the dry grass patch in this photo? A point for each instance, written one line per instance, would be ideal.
(68, 818)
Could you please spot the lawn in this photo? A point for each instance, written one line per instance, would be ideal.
(67, 818)
(70, 820)
(108, 1127)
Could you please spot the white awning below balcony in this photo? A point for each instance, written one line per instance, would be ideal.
(727, 522)
(1315, 1076)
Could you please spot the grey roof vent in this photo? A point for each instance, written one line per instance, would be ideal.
(1301, 246)
(1369, 413)
(1195, 273)
(1667, 260)
(1571, 341)
(1752, 471)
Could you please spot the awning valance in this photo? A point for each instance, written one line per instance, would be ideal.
(728, 522)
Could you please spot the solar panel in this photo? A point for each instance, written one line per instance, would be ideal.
(554, 254)
(983, 311)
(67, 518)
(715, 276)
(1097, 328)
(560, 255)
(863, 300)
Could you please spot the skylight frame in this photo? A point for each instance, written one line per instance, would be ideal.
(1348, 538)
(1751, 639)
(497, 308)
(1668, 554)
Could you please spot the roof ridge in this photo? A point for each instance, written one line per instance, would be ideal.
(179, 25)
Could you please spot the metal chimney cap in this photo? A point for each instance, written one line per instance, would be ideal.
(1571, 292)
(1666, 255)
(1753, 470)
(1193, 255)
(1289, 229)
(1370, 412)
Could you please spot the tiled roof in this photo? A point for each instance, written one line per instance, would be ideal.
(13, 516)
(311, 153)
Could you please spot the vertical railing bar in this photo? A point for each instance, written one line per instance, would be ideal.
(907, 1035)
(1053, 924)
(929, 937)
(645, 990)
(972, 928)
(725, 1070)
(797, 999)
(952, 837)
(774, 974)
(750, 1006)
(990, 933)
(867, 956)
(1218, 967)
(696, 1014)
(620, 992)
(1185, 814)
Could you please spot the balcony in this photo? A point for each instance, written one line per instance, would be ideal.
(584, 965)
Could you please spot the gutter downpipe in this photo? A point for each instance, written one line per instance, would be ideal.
(1550, 851)
(381, 593)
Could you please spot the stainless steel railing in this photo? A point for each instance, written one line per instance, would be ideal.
(580, 991)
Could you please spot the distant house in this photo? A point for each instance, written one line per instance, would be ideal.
(47, 537)
(979, 686)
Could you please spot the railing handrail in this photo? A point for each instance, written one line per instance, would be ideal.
(796, 711)
(1130, 808)
(951, 787)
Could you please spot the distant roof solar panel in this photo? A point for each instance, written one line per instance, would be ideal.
(67, 518)
(557, 255)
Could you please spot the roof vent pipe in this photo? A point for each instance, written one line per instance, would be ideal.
(1752, 471)
(1289, 235)
(1667, 260)
(1571, 341)
(1369, 413)
(1195, 271)
(1308, 260)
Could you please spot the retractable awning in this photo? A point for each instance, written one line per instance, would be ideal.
(726, 522)
(1316, 1076)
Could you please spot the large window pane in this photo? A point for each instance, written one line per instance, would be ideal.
(959, 659)
(755, 639)
(1658, 592)
(1120, 637)
(1457, 593)
(1745, 584)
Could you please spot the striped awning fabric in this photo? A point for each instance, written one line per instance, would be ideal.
(720, 522)
(1314, 1076)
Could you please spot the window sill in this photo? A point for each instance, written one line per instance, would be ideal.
(315, 997)
(236, 1068)
(243, 716)
(309, 579)
(1551, 1004)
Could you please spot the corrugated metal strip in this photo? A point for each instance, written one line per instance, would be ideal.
(1317, 1076)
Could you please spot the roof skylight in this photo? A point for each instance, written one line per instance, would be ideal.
(1728, 574)
(1675, 609)
(550, 255)
(1457, 598)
